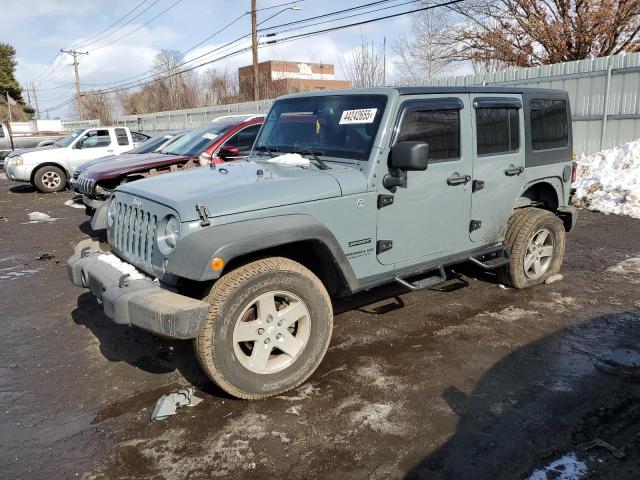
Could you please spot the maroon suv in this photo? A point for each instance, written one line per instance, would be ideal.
(227, 138)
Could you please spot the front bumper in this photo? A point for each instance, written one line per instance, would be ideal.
(141, 303)
(18, 173)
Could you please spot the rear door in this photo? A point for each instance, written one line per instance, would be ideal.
(498, 163)
(430, 217)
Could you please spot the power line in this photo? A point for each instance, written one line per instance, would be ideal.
(85, 42)
(138, 28)
(271, 42)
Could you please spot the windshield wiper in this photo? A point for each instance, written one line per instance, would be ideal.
(307, 151)
(269, 150)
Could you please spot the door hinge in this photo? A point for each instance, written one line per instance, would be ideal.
(477, 185)
(203, 213)
(475, 225)
(384, 200)
(383, 246)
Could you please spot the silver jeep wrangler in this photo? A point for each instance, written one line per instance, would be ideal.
(343, 191)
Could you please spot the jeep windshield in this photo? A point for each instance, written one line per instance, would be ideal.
(68, 140)
(340, 126)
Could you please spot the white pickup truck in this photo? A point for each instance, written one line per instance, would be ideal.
(48, 168)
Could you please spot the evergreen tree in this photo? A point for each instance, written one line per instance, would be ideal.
(8, 82)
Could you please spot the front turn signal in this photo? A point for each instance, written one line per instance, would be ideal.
(216, 263)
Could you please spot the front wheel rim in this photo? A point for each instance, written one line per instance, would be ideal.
(51, 179)
(271, 332)
(539, 254)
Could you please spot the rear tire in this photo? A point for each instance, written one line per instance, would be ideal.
(268, 328)
(537, 240)
(49, 179)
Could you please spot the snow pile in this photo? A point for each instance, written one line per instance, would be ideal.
(72, 204)
(609, 181)
(122, 267)
(566, 468)
(291, 160)
(40, 217)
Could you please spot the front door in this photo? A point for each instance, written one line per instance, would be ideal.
(430, 217)
(93, 144)
(498, 168)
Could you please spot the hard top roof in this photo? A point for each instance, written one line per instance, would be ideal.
(425, 90)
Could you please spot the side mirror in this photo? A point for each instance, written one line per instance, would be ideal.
(405, 156)
(229, 152)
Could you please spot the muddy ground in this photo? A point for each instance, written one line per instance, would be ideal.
(472, 382)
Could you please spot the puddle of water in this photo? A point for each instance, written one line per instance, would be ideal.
(567, 467)
(624, 356)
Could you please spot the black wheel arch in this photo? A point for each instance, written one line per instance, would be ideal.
(301, 238)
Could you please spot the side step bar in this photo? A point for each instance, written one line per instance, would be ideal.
(503, 258)
(425, 282)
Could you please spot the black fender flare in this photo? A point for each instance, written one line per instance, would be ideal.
(192, 256)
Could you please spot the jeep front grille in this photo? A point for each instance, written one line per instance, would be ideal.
(85, 185)
(133, 235)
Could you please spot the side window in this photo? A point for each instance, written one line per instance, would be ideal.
(498, 130)
(246, 138)
(243, 139)
(139, 137)
(121, 135)
(1, 132)
(96, 138)
(439, 128)
(549, 125)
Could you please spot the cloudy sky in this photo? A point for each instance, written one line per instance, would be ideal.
(38, 29)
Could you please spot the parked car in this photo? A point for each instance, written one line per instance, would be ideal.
(153, 144)
(229, 138)
(22, 141)
(343, 191)
(49, 168)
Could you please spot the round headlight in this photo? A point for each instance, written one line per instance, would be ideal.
(111, 212)
(172, 231)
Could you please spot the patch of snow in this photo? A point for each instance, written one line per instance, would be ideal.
(72, 204)
(626, 267)
(40, 217)
(291, 160)
(304, 392)
(511, 314)
(553, 278)
(122, 267)
(609, 181)
(376, 417)
(566, 468)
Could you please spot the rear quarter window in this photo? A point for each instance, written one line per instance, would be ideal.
(121, 135)
(549, 124)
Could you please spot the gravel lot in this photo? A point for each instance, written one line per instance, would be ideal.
(471, 382)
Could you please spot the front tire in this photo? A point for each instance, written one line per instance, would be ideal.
(537, 240)
(268, 328)
(49, 179)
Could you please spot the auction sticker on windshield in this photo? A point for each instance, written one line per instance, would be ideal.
(362, 115)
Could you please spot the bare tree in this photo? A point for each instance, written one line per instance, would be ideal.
(98, 105)
(526, 33)
(365, 66)
(219, 87)
(424, 52)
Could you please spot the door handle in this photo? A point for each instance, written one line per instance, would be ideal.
(110, 150)
(512, 170)
(457, 179)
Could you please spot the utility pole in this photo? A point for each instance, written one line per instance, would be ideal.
(384, 61)
(74, 54)
(35, 99)
(254, 50)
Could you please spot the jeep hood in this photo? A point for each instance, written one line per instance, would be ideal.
(244, 186)
(128, 163)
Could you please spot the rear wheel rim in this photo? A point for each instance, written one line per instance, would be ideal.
(271, 332)
(539, 254)
(51, 179)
